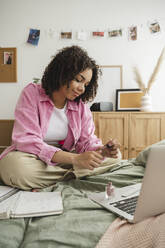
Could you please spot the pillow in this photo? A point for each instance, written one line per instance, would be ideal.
(143, 155)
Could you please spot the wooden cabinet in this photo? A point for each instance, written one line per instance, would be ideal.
(134, 131)
(6, 127)
(112, 125)
(145, 129)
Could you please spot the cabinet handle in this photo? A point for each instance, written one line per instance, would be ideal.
(125, 148)
(133, 149)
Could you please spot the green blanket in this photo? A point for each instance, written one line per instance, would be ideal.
(82, 223)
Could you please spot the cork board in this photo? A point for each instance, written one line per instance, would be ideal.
(128, 99)
(8, 65)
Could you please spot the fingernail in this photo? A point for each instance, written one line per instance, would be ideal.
(108, 146)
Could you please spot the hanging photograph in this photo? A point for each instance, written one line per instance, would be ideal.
(154, 27)
(132, 33)
(33, 38)
(115, 33)
(82, 35)
(8, 56)
(66, 35)
(98, 34)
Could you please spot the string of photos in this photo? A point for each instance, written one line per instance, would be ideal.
(132, 33)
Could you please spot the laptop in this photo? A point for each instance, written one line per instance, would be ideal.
(142, 200)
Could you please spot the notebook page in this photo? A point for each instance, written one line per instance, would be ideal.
(6, 205)
(38, 204)
(6, 191)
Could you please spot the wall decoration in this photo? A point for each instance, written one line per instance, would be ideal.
(154, 27)
(8, 56)
(132, 33)
(51, 33)
(33, 38)
(128, 99)
(98, 34)
(8, 65)
(66, 35)
(115, 33)
(82, 35)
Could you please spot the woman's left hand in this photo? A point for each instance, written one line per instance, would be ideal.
(111, 149)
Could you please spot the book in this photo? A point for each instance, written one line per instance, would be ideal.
(31, 204)
(6, 192)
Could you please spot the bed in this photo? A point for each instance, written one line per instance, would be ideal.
(85, 224)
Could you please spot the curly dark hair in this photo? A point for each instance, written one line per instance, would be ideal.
(63, 68)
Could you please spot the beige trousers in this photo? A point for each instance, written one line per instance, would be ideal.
(26, 171)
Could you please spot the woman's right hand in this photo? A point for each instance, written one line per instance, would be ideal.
(88, 160)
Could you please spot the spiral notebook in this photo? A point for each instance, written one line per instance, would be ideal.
(30, 204)
(6, 192)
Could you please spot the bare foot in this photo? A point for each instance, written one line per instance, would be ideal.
(35, 190)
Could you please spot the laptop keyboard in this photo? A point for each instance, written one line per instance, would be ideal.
(128, 205)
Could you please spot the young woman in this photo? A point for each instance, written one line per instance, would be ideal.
(52, 120)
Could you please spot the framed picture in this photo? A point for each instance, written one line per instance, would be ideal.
(128, 99)
(109, 81)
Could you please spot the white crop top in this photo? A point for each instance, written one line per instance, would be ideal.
(58, 126)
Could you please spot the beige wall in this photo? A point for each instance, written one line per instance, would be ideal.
(17, 16)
